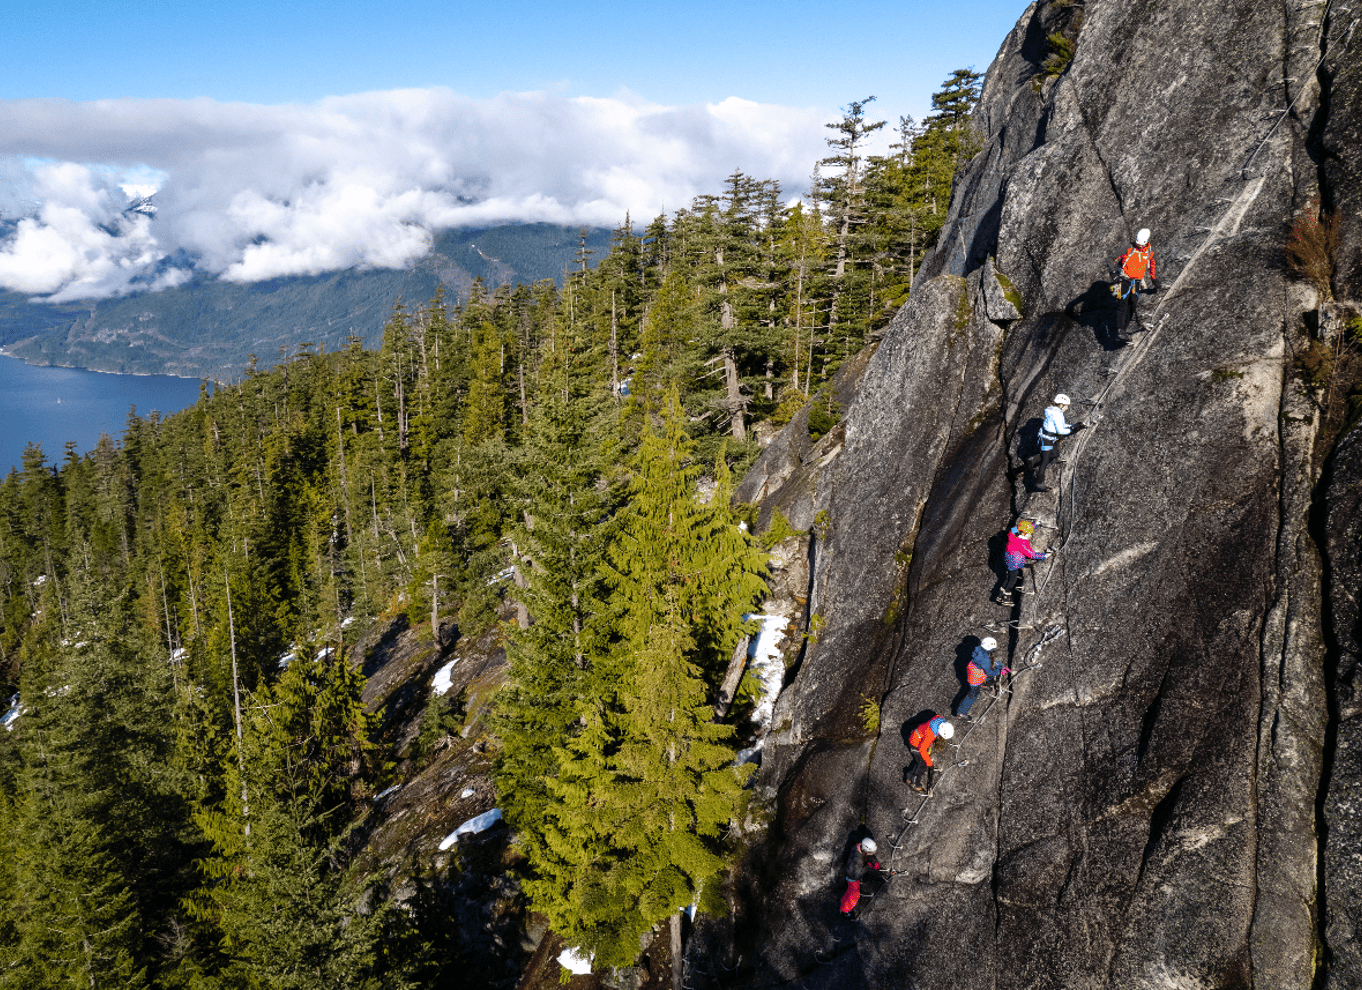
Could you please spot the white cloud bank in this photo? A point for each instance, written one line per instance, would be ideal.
(255, 192)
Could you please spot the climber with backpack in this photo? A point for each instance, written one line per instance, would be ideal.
(926, 740)
(860, 859)
(1135, 274)
(1017, 556)
(1053, 427)
(980, 670)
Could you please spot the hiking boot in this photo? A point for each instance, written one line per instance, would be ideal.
(1041, 488)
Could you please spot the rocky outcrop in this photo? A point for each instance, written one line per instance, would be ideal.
(1140, 810)
(1341, 798)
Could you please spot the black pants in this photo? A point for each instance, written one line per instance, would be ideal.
(919, 774)
(1125, 308)
(1046, 456)
(1012, 578)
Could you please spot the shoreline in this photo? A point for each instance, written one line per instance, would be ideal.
(5, 352)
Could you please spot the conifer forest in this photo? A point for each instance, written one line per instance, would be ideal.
(189, 761)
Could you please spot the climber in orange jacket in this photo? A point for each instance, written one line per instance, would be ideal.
(925, 740)
(1136, 276)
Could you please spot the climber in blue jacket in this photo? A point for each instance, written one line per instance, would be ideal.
(1054, 427)
(981, 670)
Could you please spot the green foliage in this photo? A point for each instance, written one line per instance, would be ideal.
(825, 412)
(870, 715)
(1010, 292)
(963, 309)
(443, 717)
(643, 785)
(1061, 53)
(777, 530)
(1225, 374)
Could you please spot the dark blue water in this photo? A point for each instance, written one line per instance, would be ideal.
(49, 406)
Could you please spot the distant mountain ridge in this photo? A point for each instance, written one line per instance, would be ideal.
(209, 328)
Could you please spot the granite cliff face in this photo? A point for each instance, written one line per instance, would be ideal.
(1167, 796)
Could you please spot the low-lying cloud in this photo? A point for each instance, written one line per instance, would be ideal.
(256, 192)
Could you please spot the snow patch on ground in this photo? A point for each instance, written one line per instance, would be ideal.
(179, 655)
(766, 663)
(473, 826)
(574, 962)
(444, 678)
(15, 710)
(467, 792)
(501, 576)
(380, 797)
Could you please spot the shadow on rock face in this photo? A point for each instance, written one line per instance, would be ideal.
(997, 562)
(1096, 309)
(1028, 440)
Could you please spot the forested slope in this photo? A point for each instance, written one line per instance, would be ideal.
(197, 782)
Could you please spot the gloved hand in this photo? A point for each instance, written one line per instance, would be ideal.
(1042, 556)
(874, 865)
(1006, 671)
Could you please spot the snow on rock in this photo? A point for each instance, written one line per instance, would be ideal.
(444, 678)
(500, 576)
(179, 655)
(767, 663)
(769, 668)
(574, 962)
(348, 622)
(379, 797)
(473, 826)
(15, 710)
(325, 653)
(467, 792)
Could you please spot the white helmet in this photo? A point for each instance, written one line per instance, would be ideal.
(989, 643)
(868, 845)
(1142, 238)
(947, 730)
(1061, 399)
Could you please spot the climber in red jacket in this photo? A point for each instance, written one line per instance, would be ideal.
(1136, 276)
(860, 859)
(925, 740)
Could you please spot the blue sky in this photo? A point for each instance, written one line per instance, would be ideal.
(794, 53)
(285, 138)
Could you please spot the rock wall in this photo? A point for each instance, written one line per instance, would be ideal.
(1141, 809)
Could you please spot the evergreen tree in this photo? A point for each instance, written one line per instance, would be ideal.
(646, 782)
(559, 541)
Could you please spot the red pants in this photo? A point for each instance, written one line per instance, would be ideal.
(852, 895)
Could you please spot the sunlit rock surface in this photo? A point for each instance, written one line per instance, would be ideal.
(1143, 810)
